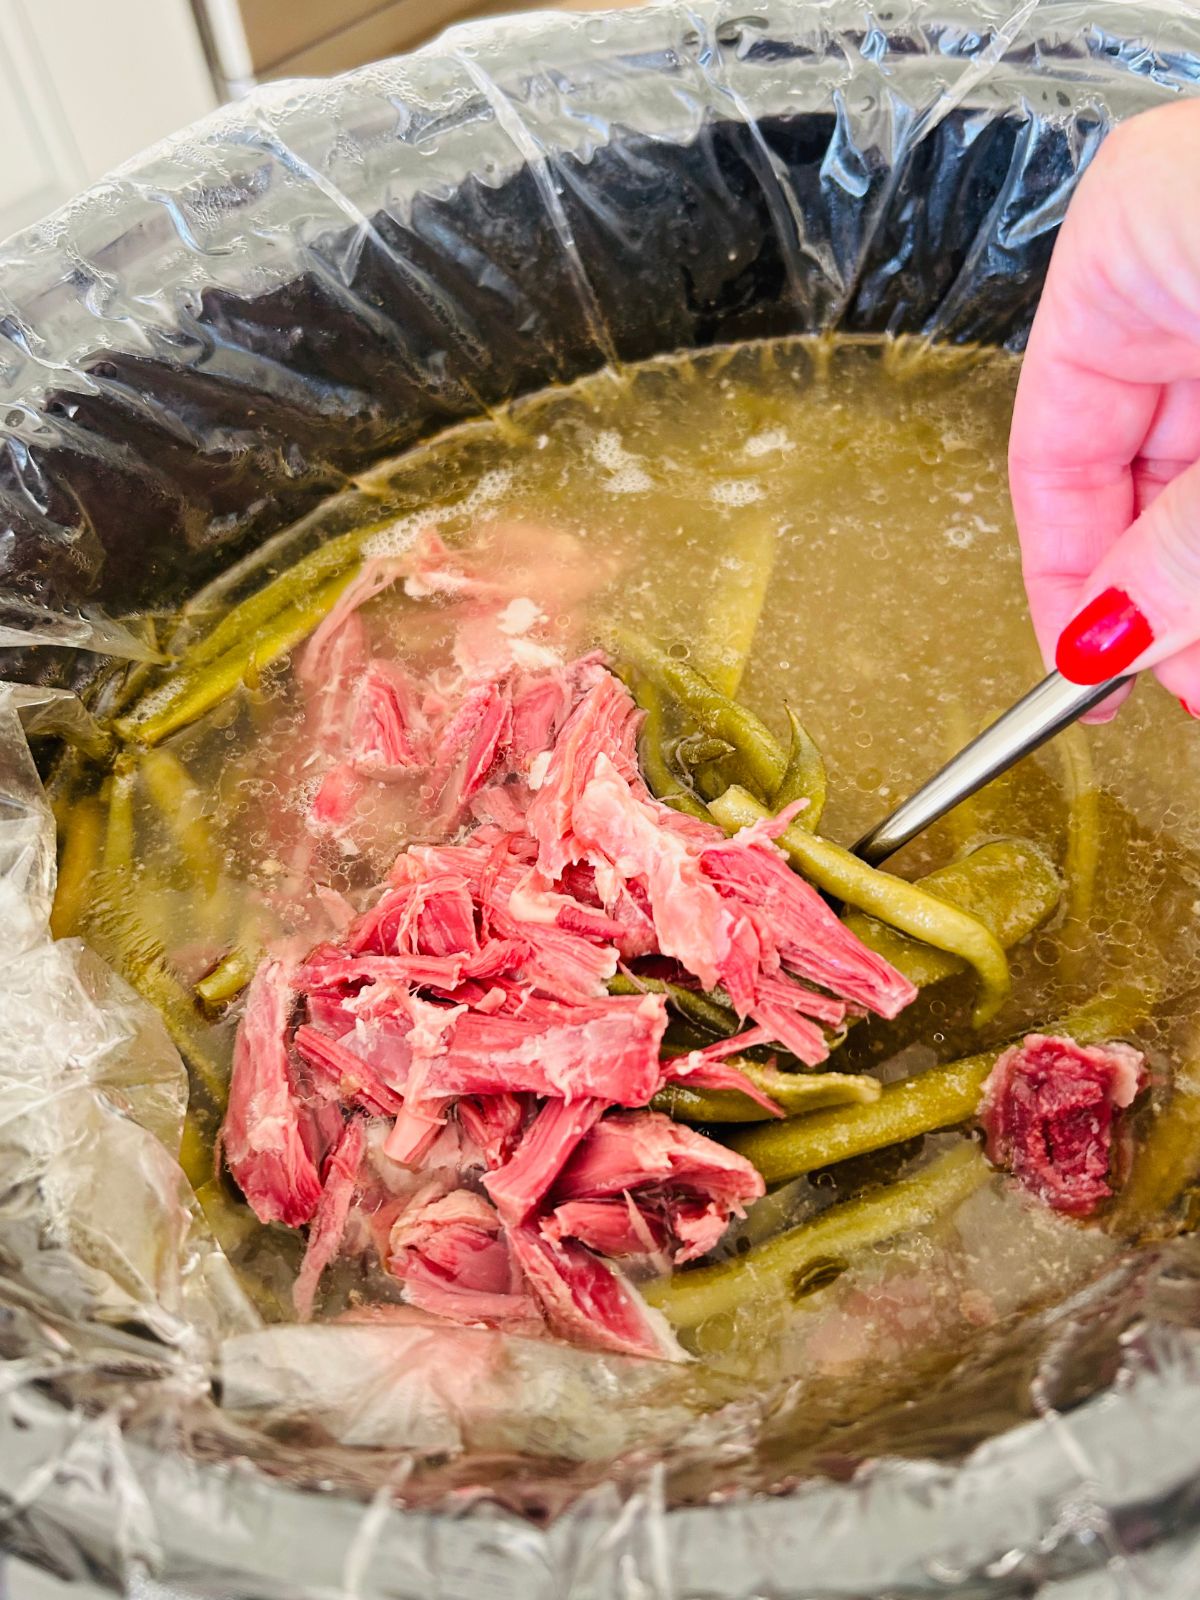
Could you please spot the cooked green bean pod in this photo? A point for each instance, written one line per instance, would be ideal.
(119, 829)
(163, 990)
(757, 748)
(906, 906)
(804, 777)
(697, 749)
(1082, 860)
(735, 607)
(1166, 1157)
(173, 790)
(233, 1224)
(796, 1094)
(113, 929)
(1009, 885)
(81, 854)
(652, 755)
(1166, 1162)
(197, 688)
(230, 976)
(941, 1097)
(777, 1267)
(702, 1009)
(196, 1154)
(293, 585)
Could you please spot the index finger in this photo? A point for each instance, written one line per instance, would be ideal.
(1076, 432)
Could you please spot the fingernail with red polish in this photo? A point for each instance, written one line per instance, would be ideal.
(1106, 637)
(1191, 710)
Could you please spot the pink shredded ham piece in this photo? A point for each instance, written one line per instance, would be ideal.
(262, 1138)
(522, 1183)
(332, 1214)
(796, 928)
(587, 1300)
(449, 1084)
(344, 1076)
(617, 1228)
(454, 1259)
(708, 1069)
(699, 1183)
(1051, 1109)
(389, 730)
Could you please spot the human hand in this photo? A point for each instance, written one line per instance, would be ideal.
(1104, 455)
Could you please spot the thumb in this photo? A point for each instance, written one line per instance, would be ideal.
(1141, 604)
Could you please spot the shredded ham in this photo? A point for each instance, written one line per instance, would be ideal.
(389, 731)
(587, 1300)
(1051, 1111)
(454, 1259)
(522, 1183)
(699, 1183)
(262, 1138)
(451, 1070)
(332, 1213)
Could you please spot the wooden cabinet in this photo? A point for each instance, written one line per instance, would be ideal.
(258, 39)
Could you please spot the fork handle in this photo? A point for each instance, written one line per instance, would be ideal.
(1046, 710)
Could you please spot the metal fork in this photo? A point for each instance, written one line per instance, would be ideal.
(1046, 710)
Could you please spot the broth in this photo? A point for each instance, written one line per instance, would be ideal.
(858, 491)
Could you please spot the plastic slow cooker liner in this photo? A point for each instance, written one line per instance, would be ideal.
(193, 355)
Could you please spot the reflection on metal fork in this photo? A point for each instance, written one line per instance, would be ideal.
(1046, 710)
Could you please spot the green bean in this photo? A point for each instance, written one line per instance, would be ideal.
(656, 769)
(702, 1009)
(1166, 1158)
(172, 788)
(114, 931)
(81, 855)
(195, 1154)
(156, 984)
(756, 746)
(291, 587)
(728, 636)
(902, 905)
(119, 830)
(941, 1097)
(1009, 885)
(230, 976)
(804, 777)
(698, 749)
(714, 777)
(233, 1225)
(196, 689)
(776, 1267)
(796, 1093)
(133, 684)
(72, 775)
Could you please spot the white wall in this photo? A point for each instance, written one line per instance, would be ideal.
(84, 84)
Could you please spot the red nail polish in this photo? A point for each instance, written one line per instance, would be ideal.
(1191, 710)
(1107, 635)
